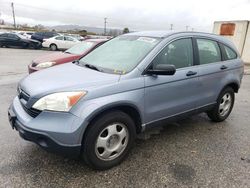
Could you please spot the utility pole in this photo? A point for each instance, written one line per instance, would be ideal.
(105, 24)
(13, 12)
(187, 28)
(171, 26)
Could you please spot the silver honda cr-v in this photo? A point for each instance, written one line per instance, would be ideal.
(96, 106)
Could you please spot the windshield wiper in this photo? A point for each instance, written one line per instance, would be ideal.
(67, 52)
(92, 67)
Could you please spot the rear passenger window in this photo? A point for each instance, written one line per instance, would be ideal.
(178, 53)
(209, 51)
(59, 38)
(230, 54)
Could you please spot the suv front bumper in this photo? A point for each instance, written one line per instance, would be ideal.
(64, 141)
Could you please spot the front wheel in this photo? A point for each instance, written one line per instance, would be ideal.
(108, 140)
(223, 107)
(53, 47)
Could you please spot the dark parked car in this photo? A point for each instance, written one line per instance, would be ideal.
(43, 35)
(72, 54)
(17, 40)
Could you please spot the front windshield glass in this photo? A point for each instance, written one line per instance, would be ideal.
(21, 36)
(80, 48)
(121, 54)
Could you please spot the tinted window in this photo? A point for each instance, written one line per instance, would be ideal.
(59, 38)
(69, 39)
(4, 35)
(80, 48)
(230, 54)
(48, 34)
(209, 51)
(54, 34)
(13, 36)
(178, 53)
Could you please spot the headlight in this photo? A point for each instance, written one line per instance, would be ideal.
(59, 101)
(45, 65)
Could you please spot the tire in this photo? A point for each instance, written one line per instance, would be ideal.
(25, 45)
(32, 46)
(108, 140)
(223, 107)
(53, 47)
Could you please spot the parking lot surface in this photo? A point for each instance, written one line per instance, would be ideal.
(194, 152)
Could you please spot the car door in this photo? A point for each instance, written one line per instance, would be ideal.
(59, 41)
(14, 40)
(211, 70)
(166, 96)
(69, 42)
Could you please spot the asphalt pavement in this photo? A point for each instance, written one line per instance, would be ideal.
(194, 152)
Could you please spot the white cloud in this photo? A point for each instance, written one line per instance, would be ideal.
(135, 14)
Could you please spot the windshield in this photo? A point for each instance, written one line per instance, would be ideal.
(121, 54)
(80, 48)
(21, 36)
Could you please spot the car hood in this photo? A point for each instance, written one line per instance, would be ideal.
(55, 57)
(66, 77)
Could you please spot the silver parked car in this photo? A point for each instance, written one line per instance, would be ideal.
(96, 106)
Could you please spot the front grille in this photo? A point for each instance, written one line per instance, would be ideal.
(23, 96)
(31, 111)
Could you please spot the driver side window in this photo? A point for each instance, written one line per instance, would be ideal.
(178, 53)
(12, 36)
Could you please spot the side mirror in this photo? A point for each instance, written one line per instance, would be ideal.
(162, 69)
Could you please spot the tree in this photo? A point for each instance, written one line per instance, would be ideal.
(125, 30)
(38, 27)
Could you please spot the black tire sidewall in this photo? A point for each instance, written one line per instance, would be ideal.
(215, 112)
(93, 132)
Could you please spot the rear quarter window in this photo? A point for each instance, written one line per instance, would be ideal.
(59, 38)
(229, 53)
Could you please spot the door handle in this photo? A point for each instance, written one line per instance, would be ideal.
(223, 67)
(191, 73)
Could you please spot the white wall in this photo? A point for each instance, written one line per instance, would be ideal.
(239, 37)
(239, 34)
(246, 51)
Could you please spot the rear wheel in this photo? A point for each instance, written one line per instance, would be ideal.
(53, 47)
(223, 107)
(108, 140)
(25, 45)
